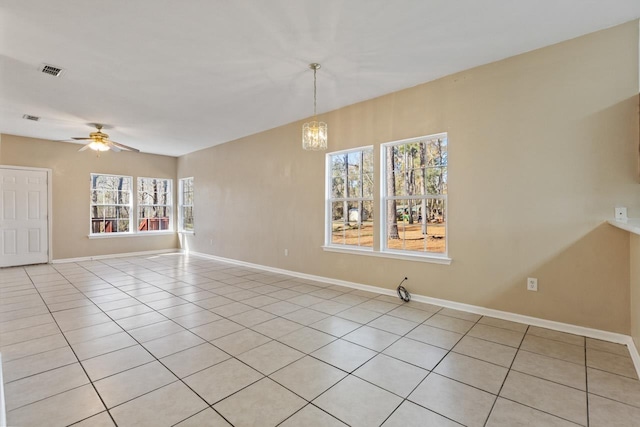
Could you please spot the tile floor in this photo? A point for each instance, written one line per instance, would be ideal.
(175, 340)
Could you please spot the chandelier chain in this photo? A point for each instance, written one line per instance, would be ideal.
(315, 70)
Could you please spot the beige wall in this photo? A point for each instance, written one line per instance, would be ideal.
(635, 289)
(542, 146)
(71, 184)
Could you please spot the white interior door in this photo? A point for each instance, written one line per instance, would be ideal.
(24, 234)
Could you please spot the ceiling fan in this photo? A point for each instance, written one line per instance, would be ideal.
(100, 142)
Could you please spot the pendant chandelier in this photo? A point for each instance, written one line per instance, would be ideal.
(314, 133)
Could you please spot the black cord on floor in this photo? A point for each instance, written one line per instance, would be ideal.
(403, 294)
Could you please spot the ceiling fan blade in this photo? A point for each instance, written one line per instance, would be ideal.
(113, 147)
(123, 147)
(85, 147)
(79, 139)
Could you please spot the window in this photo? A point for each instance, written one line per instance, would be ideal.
(110, 204)
(414, 195)
(350, 198)
(185, 214)
(154, 204)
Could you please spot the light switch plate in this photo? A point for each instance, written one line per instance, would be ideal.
(621, 214)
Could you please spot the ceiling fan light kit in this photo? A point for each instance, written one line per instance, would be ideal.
(100, 142)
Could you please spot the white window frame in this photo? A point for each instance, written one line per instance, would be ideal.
(182, 205)
(168, 206)
(329, 201)
(91, 206)
(435, 256)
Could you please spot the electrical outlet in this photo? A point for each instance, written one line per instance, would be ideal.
(532, 284)
(621, 214)
(286, 252)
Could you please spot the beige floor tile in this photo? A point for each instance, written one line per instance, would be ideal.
(132, 383)
(454, 400)
(78, 404)
(70, 324)
(378, 306)
(130, 311)
(306, 339)
(395, 325)
(335, 326)
(305, 316)
(217, 329)
(206, 418)
(548, 368)
(211, 303)
(506, 413)
(252, 317)
(371, 338)
(304, 300)
(449, 323)
(311, 416)
(330, 307)
(350, 299)
(196, 319)
(471, 317)
(486, 350)
(360, 315)
(27, 334)
(37, 363)
(166, 303)
(504, 324)
(260, 300)
(411, 415)
(344, 355)
(194, 359)
(412, 314)
(103, 419)
(495, 334)
(556, 335)
(88, 349)
(391, 374)
(609, 413)
(25, 323)
(37, 387)
(163, 407)
(180, 310)
(308, 377)
(221, 380)
(141, 320)
(613, 386)
(358, 403)
(116, 361)
(155, 330)
(173, 343)
(611, 362)
(553, 398)
(610, 347)
(264, 403)
(477, 373)
(241, 341)
(430, 308)
(230, 309)
(555, 349)
(280, 308)
(435, 336)
(270, 357)
(277, 327)
(31, 347)
(416, 353)
(92, 332)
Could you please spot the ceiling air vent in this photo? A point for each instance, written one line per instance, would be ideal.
(30, 117)
(52, 70)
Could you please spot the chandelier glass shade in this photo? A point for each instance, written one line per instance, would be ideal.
(314, 133)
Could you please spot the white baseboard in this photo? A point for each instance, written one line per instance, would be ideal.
(505, 315)
(3, 414)
(122, 255)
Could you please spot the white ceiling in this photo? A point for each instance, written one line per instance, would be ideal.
(171, 77)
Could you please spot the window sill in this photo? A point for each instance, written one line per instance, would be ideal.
(187, 232)
(142, 234)
(434, 259)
